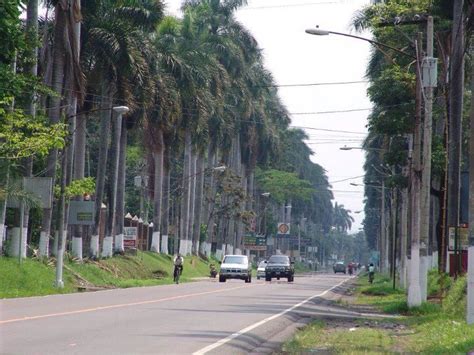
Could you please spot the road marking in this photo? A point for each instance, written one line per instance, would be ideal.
(100, 308)
(262, 322)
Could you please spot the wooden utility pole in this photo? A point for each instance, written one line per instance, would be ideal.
(426, 170)
(414, 293)
(470, 256)
(456, 90)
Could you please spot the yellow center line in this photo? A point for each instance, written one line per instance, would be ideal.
(123, 305)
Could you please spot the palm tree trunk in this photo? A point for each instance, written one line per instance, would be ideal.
(54, 113)
(185, 203)
(32, 69)
(79, 173)
(78, 153)
(198, 203)
(107, 247)
(120, 208)
(101, 168)
(165, 215)
(210, 196)
(192, 203)
(158, 189)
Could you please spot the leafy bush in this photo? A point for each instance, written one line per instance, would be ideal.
(455, 302)
(438, 283)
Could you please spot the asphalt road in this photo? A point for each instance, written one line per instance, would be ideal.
(193, 318)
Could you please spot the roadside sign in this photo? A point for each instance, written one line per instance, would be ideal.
(130, 237)
(463, 238)
(81, 213)
(40, 187)
(283, 230)
(255, 242)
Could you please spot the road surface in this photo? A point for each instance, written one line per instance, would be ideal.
(205, 317)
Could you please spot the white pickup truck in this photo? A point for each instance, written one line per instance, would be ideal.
(235, 267)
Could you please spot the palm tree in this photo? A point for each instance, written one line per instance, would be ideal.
(115, 49)
(342, 219)
(64, 50)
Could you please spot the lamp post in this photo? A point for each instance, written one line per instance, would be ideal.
(212, 203)
(319, 32)
(420, 203)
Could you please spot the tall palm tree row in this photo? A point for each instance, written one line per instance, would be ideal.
(204, 113)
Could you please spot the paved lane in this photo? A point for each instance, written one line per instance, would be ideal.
(200, 317)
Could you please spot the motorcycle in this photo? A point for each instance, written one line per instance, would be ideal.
(212, 271)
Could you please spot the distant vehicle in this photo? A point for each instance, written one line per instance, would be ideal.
(279, 266)
(235, 267)
(339, 267)
(261, 269)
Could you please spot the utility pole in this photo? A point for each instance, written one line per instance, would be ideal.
(414, 292)
(470, 252)
(456, 76)
(429, 82)
(404, 235)
(383, 234)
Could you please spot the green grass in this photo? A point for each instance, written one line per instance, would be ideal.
(340, 341)
(35, 277)
(435, 329)
(431, 328)
(31, 278)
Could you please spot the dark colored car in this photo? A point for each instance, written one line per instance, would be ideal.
(339, 267)
(279, 266)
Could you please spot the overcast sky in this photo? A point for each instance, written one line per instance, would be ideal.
(295, 57)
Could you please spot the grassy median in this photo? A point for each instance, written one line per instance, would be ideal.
(436, 327)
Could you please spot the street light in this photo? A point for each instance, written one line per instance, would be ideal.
(114, 226)
(361, 148)
(421, 205)
(318, 32)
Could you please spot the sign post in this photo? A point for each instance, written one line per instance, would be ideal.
(130, 239)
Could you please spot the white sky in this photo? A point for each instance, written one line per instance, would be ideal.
(295, 57)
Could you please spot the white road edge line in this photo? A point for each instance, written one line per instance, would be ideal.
(258, 324)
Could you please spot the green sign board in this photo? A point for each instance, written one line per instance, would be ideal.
(255, 242)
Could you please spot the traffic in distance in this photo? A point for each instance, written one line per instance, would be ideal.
(276, 267)
(239, 267)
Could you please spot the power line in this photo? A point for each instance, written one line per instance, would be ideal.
(317, 84)
(346, 179)
(328, 130)
(287, 5)
(330, 112)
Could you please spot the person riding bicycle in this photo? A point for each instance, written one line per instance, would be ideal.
(178, 264)
(371, 270)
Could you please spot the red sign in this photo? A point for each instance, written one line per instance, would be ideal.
(130, 237)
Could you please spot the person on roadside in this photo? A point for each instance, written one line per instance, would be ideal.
(371, 271)
(178, 264)
(350, 268)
